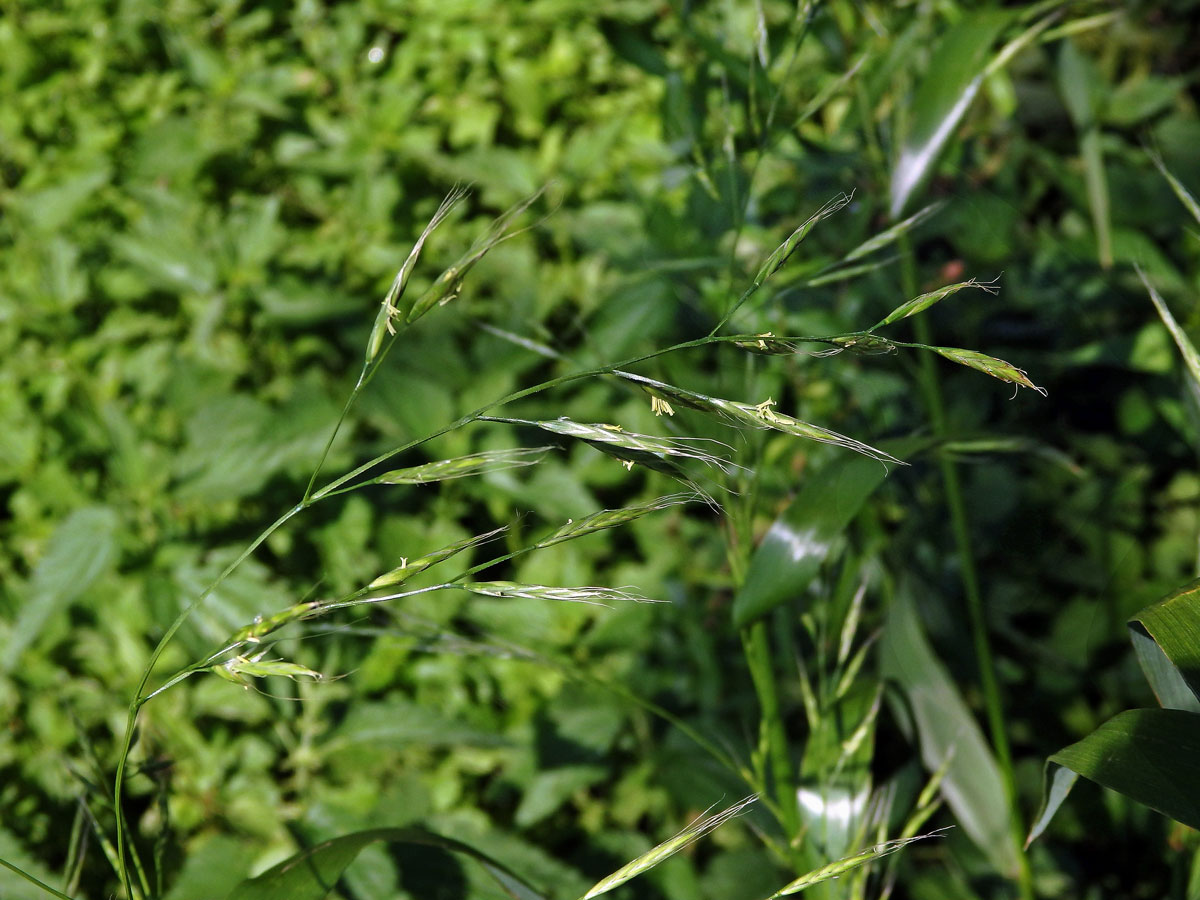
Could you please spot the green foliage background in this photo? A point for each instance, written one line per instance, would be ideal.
(202, 204)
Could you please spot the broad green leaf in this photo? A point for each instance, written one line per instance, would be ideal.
(956, 72)
(397, 723)
(949, 736)
(806, 535)
(1171, 691)
(214, 868)
(1173, 627)
(1149, 755)
(81, 549)
(313, 873)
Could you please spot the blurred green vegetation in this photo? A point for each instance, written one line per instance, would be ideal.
(202, 204)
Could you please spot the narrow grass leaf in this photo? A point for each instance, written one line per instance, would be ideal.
(891, 235)
(1186, 348)
(28, 887)
(1172, 628)
(848, 864)
(1149, 755)
(989, 365)
(312, 873)
(408, 568)
(465, 466)
(599, 596)
(955, 74)
(946, 730)
(1079, 83)
(666, 849)
(843, 273)
(923, 302)
(1181, 192)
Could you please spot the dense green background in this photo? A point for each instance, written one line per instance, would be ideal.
(202, 205)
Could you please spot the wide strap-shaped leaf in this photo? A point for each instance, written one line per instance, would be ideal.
(949, 736)
(1148, 755)
(955, 74)
(1166, 637)
(313, 873)
(82, 548)
(806, 535)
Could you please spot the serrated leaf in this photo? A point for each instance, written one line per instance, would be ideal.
(81, 549)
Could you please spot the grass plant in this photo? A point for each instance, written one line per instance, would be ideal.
(629, 509)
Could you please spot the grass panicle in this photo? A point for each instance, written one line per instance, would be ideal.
(847, 864)
(390, 312)
(784, 251)
(924, 301)
(612, 518)
(465, 466)
(667, 849)
(760, 415)
(989, 365)
(597, 596)
(262, 626)
(448, 285)
(408, 568)
(629, 446)
(239, 669)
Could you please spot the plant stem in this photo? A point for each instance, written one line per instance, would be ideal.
(773, 735)
(932, 392)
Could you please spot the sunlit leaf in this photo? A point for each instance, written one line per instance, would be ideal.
(806, 535)
(955, 74)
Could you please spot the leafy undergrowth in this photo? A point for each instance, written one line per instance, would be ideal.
(203, 204)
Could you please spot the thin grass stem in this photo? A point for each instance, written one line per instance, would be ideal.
(773, 734)
(931, 391)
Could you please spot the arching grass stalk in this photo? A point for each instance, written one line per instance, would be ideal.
(931, 391)
(340, 485)
(610, 438)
